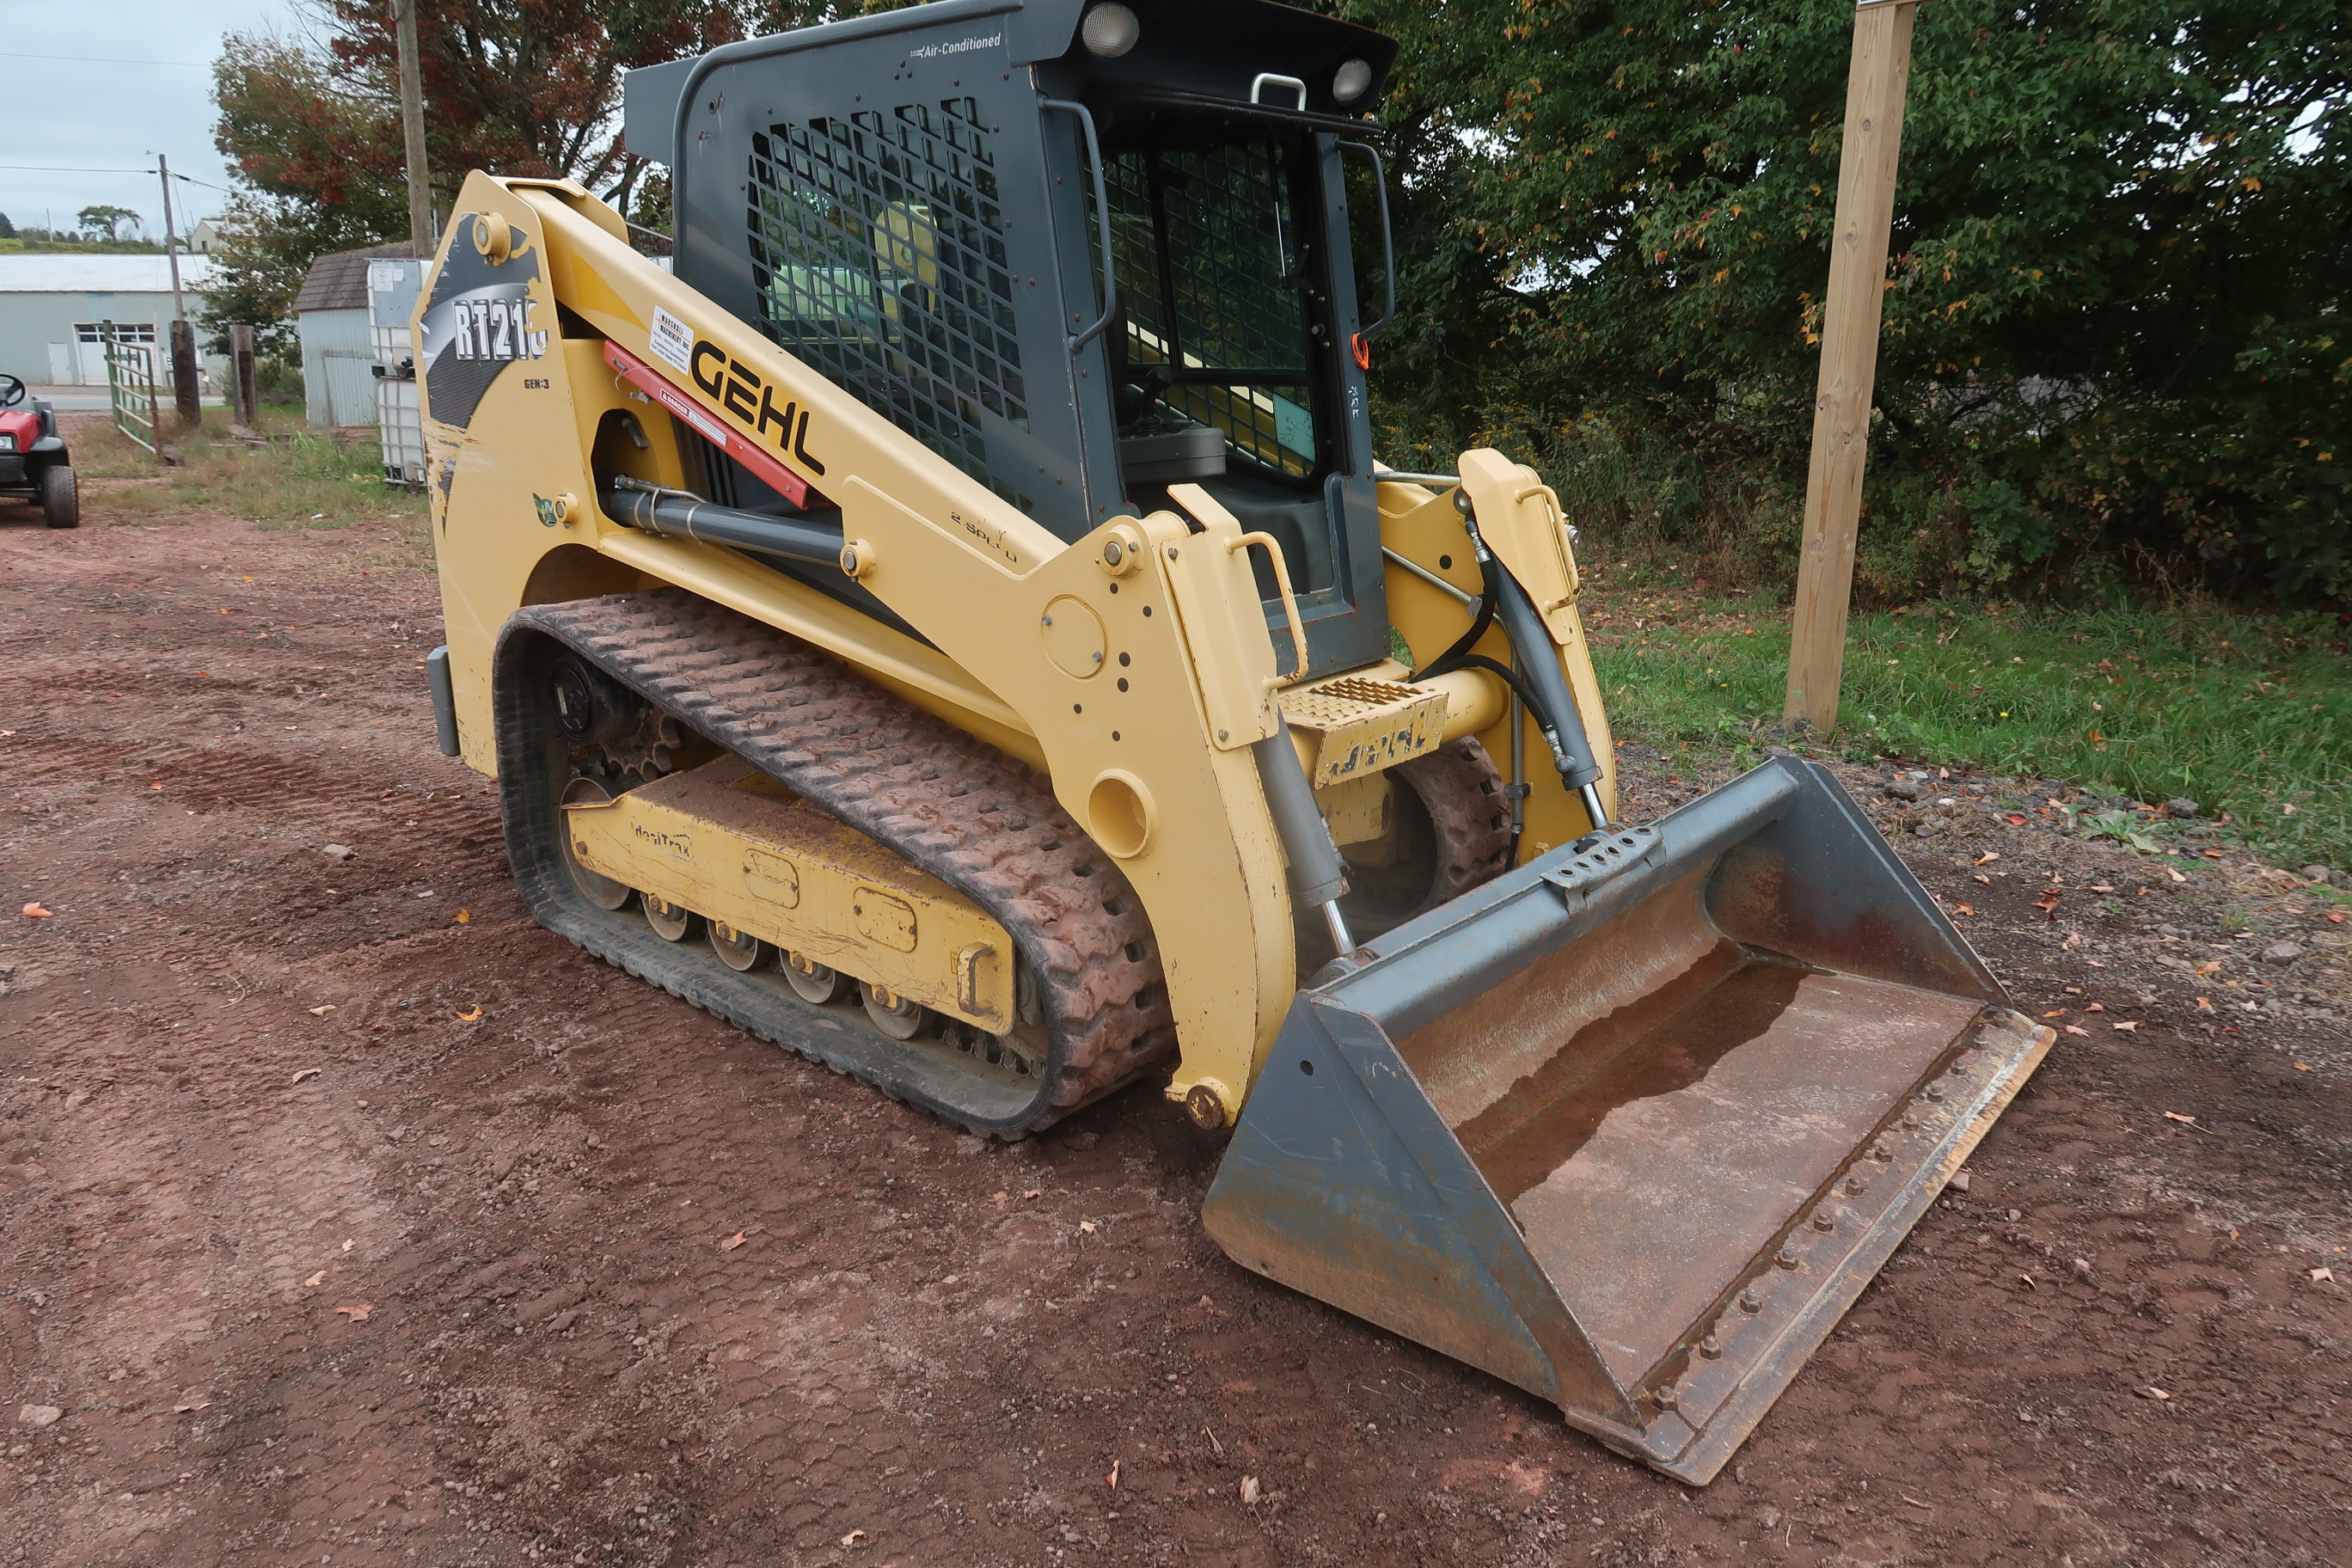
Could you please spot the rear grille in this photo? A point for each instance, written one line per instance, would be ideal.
(878, 249)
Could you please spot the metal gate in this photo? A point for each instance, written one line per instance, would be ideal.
(131, 388)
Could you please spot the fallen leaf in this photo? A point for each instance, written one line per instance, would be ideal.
(1986, 880)
(2302, 1067)
(2016, 821)
(1111, 1480)
(2055, 1013)
(322, 1012)
(1087, 1225)
(1988, 858)
(2077, 1029)
(470, 1014)
(357, 1311)
(2029, 1284)
(315, 1280)
(2184, 1121)
(2173, 875)
(1915, 1502)
(1964, 908)
(307, 1072)
(2152, 1392)
(192, 1399)
(1250, 1491)
(2130, 1028)
(853, 1538)
(465, 917)
(2335, 919)
(36, 913)
(349, 1244)
(2213, 854)
(1033, 1194)
(158, 784)
(734, 1241)
(2204, 1003)
(2325, 1274)
(2212, 966)
(2095, 1008)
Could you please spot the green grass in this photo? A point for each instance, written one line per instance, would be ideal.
(2246, 714)
(301, 480)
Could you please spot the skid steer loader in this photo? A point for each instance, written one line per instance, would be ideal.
(953, 625)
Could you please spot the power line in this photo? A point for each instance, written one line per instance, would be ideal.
(101, 60)
(60, 169)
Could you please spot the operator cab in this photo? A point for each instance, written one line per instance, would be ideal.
(1082, 250)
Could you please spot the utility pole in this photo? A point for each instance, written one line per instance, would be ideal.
(1876, 80)
(184, 335)
(412, 125)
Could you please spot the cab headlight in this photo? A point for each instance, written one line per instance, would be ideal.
(7, 442)
(1109, 31)
(1349, 82)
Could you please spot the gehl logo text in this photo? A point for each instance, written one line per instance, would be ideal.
(734, 388)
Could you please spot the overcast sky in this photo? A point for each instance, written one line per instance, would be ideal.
(86, 113)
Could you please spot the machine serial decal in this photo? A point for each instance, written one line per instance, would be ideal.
(670, 339)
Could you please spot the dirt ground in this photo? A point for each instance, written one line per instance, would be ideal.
(348, 1217)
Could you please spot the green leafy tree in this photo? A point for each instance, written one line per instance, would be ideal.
(2113, 333)
(106, 221)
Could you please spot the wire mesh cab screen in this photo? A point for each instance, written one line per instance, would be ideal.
(879, 251)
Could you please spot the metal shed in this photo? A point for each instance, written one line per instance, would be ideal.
(330, 317)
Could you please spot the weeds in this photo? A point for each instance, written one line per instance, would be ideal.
(300, 479)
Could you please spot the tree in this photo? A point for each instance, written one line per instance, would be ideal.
(7, 230)
(105, 222)
(2111, 319)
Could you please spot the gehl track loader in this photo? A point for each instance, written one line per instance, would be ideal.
(953, 625)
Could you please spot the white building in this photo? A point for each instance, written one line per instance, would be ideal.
(54, 308)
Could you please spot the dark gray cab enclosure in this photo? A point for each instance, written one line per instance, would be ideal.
(920, 203)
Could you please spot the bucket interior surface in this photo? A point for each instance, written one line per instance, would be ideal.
(1655, 1102)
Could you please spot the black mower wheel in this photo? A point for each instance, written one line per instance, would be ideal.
(60, 497)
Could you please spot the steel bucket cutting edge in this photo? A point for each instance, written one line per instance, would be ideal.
(1632, 1125)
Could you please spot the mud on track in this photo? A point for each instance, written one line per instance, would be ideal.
(318, 1266)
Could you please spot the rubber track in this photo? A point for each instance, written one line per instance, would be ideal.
(955, 806)
(1461, 790)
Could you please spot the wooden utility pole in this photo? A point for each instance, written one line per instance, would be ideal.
(1875, 83)
(185, 391)
(412, 126)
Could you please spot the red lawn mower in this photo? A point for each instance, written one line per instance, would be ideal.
(34, 465)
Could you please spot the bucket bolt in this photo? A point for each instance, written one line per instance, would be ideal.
(1750, 1302)
(1785, 1258)
(1711, 1348)
(1823, 1220)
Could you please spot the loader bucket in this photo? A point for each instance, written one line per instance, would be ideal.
(1632, 1125)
